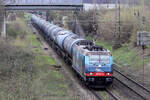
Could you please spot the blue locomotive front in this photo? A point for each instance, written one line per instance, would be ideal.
(94, 64)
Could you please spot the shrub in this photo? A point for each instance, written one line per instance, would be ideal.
(14, 61)
(16, 29)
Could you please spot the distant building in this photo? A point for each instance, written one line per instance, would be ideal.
(104, 1)
(99, 1)
(87, 6)
(106, 4)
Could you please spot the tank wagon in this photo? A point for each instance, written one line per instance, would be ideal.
(92, 63)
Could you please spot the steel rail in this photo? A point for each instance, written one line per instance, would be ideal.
(144, 88)
(110, 93)
(97, 95)
(130, 88)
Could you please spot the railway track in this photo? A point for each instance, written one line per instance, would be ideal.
(112, 95)
(132, 85)
(97, 95)
(100, 97)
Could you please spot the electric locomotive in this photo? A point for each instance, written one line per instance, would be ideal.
(92, 63)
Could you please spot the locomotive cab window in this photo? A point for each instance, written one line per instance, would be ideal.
(99, 59)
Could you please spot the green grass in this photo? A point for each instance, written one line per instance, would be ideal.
(106, 97)
(38, 51)
(45, 82)
(27, 16)
(43, 59)
(53, 82)
(33, 40)
(104, 44)
(127, 57)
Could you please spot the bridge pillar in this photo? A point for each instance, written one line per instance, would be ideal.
(3, 34)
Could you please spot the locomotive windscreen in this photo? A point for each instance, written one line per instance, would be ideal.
(103, 59)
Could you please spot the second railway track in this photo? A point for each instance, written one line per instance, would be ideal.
(131, 84)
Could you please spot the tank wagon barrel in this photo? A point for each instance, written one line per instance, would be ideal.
(93, 63)
(64, 38)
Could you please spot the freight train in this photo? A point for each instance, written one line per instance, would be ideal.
(92, 63)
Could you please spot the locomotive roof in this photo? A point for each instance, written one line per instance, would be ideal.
(86, 51)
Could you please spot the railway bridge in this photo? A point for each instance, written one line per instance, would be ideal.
(44, 5)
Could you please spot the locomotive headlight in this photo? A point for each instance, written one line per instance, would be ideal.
(91, 73)
(100, 66)
(107, 73)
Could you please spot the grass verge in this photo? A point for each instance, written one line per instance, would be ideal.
(27, 73)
